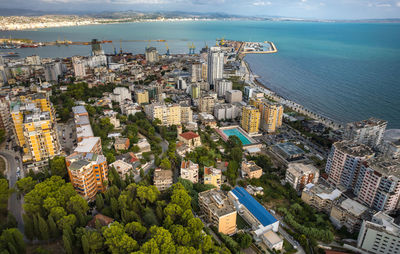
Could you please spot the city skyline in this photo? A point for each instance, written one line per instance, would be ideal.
(307, 9)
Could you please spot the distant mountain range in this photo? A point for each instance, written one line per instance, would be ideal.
(130, 14)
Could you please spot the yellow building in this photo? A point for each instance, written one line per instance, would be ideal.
(142, 96)
(250, 119)
(213, 176)
(219, 210)
(168, 114)
(34, 127)
(271, 114)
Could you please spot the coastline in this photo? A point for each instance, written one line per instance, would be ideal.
(254, 81)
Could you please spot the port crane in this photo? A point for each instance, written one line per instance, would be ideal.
(166, 45)
(192, 49)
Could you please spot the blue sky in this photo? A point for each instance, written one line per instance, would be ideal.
(318, 9)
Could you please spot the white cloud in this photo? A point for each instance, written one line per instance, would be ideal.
(383, 5)
(398, 4)
(303, 1)
(262, 3)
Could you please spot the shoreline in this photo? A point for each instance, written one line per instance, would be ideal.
(254, 81)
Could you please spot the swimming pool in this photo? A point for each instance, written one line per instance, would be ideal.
(237, 133)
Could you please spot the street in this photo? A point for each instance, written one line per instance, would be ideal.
(14, 204)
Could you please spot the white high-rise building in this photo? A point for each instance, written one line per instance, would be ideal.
(79, 68)
(151, 55)
(52, 71)
(222, 86)
(368, 132)
(215, 65)
(121, 94)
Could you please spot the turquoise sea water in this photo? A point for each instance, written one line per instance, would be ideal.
(345, 71)
(237, 133)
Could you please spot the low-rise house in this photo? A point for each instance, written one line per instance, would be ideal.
(219, 210)
(102, 219)
(320, 197)
(190, 171)
(251, 170)
(144, 145)
(299, 175)
(162, 179)
(191, 139)
(348, 213)
(121, 144)
(213, 176)
(272, 240)
(123, 168)
(255, 190)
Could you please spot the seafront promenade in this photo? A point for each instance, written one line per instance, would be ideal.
(252, 81)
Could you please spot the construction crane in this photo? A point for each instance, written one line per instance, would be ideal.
(192, 49)
(166, 45)
(120, 47)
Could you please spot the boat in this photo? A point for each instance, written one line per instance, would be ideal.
(10, 54)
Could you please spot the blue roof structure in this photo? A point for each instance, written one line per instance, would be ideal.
(262, 215)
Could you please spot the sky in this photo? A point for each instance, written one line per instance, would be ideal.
(314, 9)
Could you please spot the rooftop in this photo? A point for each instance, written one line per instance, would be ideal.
(272, 237)
(252, 166)
(160, 174)
(323, 191)
(189, 135)
(385, 166)
(353, 149)
(217, 202)
(290, 148)
(353, 207)
(298, 169)
(212, 170)
(79, 110)
(87, 145)
(262, 215)
(367, 123)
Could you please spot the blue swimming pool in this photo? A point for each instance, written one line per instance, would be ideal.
(237, 133)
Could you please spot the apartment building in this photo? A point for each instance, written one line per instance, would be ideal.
(186, 113)
(87, 173)
(206, 104)
(222, 86)
(320, 197)
(380, 235)
(378, 184)
(152, 55)
(168, 114)
(142, 97)
(299, 175)
(271, 114)
(213, 176)
(344, 162)
(251, 170)
(35, 128)
(250, 119)
(233, 96)
(219, 210)
(348, 213)
(190, 171)
(5, 117)
(89, 145)
(162, 179)
(368, 132)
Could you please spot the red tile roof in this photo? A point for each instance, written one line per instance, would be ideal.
(189, 135)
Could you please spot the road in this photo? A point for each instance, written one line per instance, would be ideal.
(14, 204)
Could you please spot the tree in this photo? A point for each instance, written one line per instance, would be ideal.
(52, 227)
(149, 193)
(117, 240)
(165, 164)
(43, 228)
(99, 202)
(25, 184)
(12, 241)
(85, 244)
(67, 244)
(135, 229)
(28, 227)
(58, 166)
(181, 197)
(244, 240)
(68, 221)
(4, 194)
(95, 241)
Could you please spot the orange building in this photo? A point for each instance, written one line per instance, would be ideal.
(87, 173)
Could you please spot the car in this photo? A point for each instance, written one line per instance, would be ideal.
(18, 170)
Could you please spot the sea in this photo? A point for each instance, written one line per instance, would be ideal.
(343, 71)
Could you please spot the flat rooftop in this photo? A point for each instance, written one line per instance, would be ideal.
(79, 110)
(385, 166)
(371, 122)
(353, 149)
(353, 207)
(323, 191)
(217, 202)
(258, 211)
(290, 148)
(87, 144)
(298, 169)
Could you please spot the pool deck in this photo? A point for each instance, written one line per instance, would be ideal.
(253, 143)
